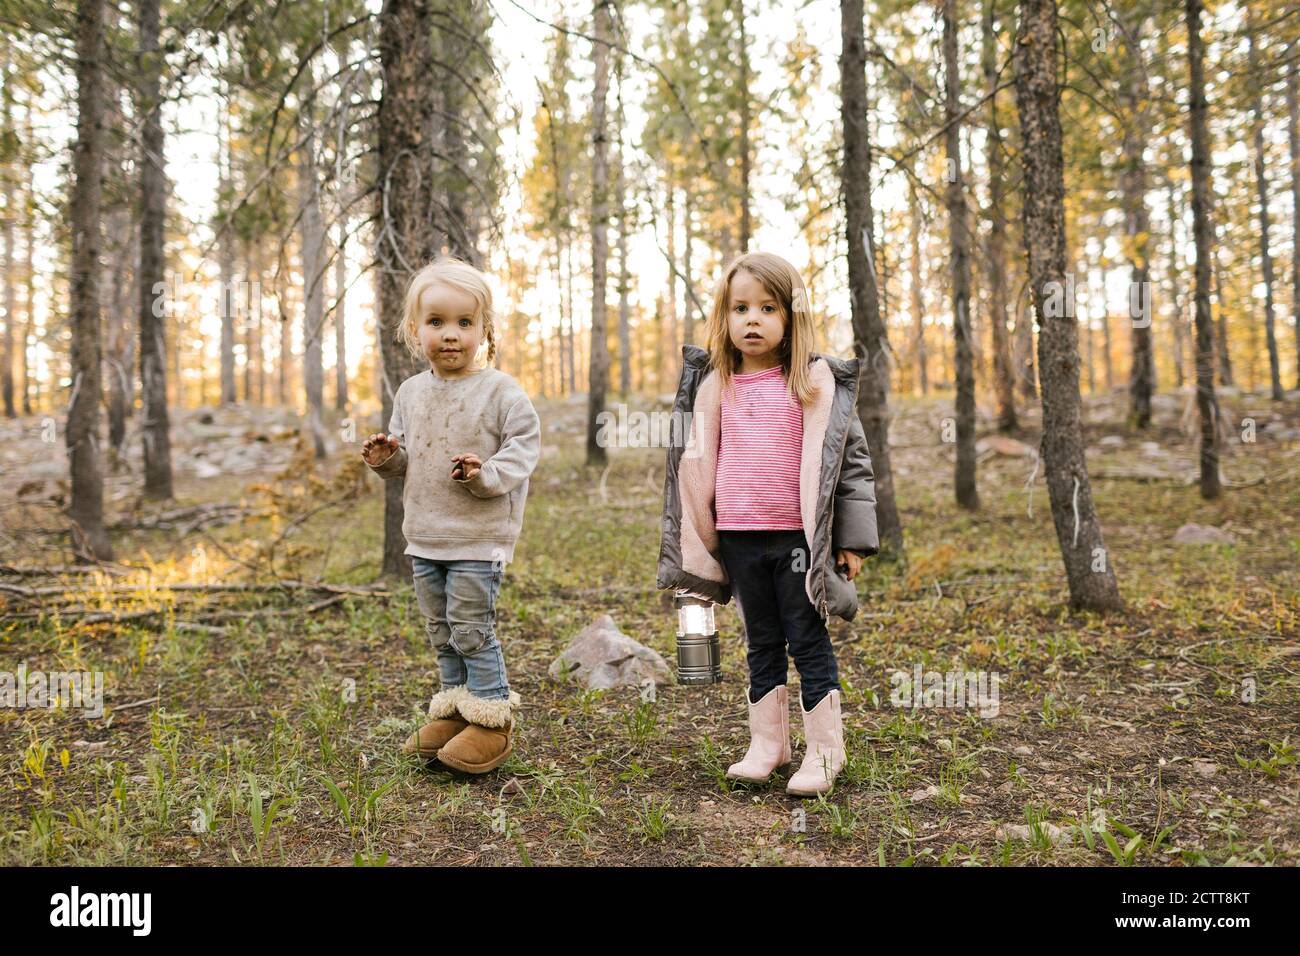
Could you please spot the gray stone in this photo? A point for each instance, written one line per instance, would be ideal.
(1203, 534)
(1004, 445)
(602, 656)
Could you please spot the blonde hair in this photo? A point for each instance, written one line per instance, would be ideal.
(460, 275)
(782, 282)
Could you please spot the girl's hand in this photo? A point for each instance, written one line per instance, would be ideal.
(378, 448)
(465, 467)
(850, 561)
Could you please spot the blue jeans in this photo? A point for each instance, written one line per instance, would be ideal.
(459, 600)
(768, 586)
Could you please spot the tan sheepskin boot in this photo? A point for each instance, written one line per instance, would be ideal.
(446, 724)
(485, 742)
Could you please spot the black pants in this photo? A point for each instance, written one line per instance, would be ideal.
(767, 570)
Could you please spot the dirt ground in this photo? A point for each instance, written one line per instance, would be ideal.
(259, 675)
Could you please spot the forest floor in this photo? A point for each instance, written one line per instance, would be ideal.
(259, 681)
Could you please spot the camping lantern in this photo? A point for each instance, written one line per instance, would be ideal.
(699, 657)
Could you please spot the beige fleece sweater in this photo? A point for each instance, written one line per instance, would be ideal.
(487, 414)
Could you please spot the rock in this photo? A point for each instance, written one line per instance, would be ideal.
(1021, 831)
(1003, 445)
(602, 656)
(1203, 534)
(1112, 441)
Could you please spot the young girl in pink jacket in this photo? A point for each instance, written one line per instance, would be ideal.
(775, 503)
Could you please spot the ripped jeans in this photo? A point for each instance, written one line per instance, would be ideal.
(459, 600)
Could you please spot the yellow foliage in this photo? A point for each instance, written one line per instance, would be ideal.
(932, 564)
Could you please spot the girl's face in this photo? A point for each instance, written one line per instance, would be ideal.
(450, 329)
(754, 319)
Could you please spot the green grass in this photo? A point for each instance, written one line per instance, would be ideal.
(274, 735)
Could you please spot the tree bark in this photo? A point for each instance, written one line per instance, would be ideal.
(1177, 323)
(995, 258)
(86, 509)
(1088, 568)
(624, 280)
(1206, 402)
(745, 226)
(1137, 223)
(959, 245)
(598, 366)
(1293, 140)
(312, 238)
(917, 300)
(7, 227)
(340, 317)
(870, 339)
(1261, 187)
(30, 386)
(407, 108)
(226, 249)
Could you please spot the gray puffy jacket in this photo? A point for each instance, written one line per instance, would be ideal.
(837, 493)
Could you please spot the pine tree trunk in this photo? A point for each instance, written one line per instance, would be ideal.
(959, 250)
(1137, 222)
(918, 304)
(598, 365)
(1107, 352)
(1206, 402)
(86, 508)
(1265, 253)
(116, 333)
(340, 317)
(745, 120)
(1023, 340)
(1226, 377)
(870, 340)
(312, 238)
(688, 317)
(257, 344)
(624, 280)
(1293, 140)
(674, 338)
(407, 108)
(1088, 568)
(30, 386)
(1177, 321)
(7, 227)
(226, 257)
(995, 257)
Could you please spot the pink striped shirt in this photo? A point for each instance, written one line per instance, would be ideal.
(758, 454)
